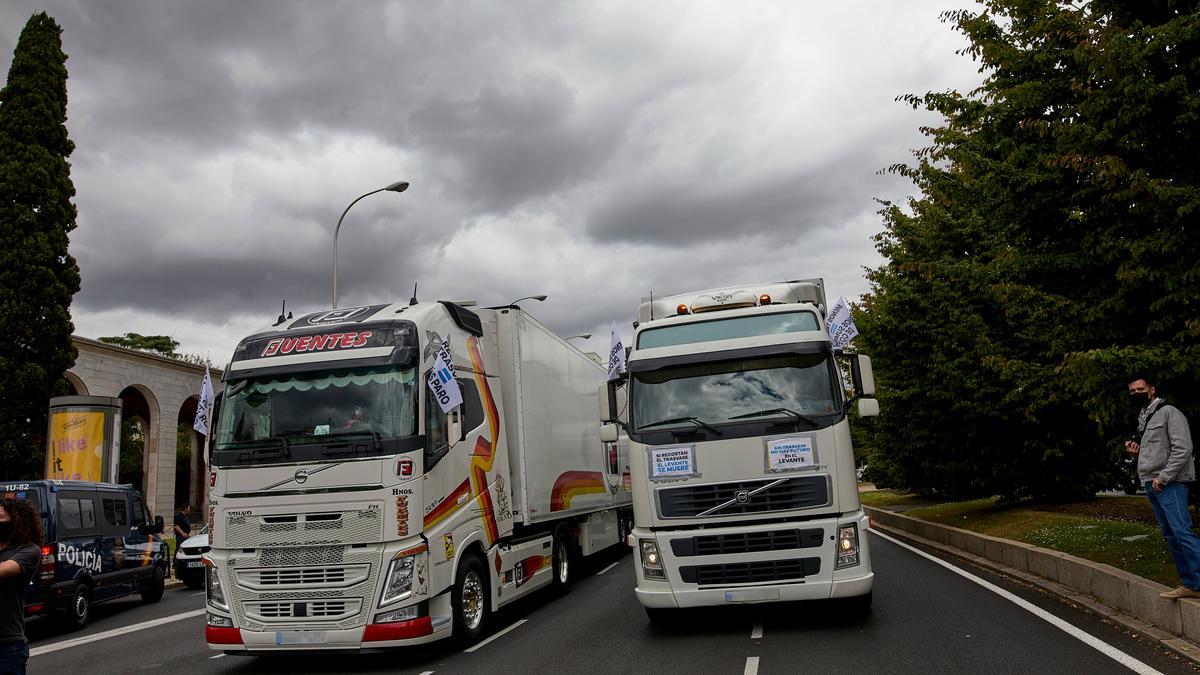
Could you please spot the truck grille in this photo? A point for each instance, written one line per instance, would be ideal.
(690, 501)
(750, 572)
(300, 577)
(320, 610)
(750, 542)
(353, 526)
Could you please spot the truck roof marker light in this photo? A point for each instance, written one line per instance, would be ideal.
(764, 299)
(681, 309)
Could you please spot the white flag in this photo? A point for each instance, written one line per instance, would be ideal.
(616, 355)
(441, 379)
(205, 404)
(840, 324)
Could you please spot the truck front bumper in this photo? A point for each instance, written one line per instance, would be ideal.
(374, 636)
(825, 583)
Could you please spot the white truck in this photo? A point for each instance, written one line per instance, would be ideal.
(743, 475)
(348, 511)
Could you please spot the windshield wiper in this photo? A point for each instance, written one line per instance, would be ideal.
(349, 434)
(772, 411)
(676, 420)
(281, 449)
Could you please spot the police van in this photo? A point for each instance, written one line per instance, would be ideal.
(101, 545)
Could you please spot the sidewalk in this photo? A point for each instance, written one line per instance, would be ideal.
(1117, 595)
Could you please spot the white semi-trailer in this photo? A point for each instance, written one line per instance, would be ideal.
(349, 511)
(743, 476)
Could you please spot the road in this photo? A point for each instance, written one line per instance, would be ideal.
(926, 618)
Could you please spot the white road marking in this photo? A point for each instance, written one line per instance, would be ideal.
(65, 644)
(608, 568)
(482, 644)
(1084, 637)
(195, 594)
(751, 666)
(756, 632)
(215, 657)
(428, 672)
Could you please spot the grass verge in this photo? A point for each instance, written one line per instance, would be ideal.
(1119, 537)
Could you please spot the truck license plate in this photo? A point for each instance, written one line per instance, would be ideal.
(299, 637)
(752, 595)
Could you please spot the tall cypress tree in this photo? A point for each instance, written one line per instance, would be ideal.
(38, 277)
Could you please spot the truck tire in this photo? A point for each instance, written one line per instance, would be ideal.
(562, 560)
(152, 588)
(79, 611)
(471, 600)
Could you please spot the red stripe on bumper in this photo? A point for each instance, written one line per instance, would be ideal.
(218, 635)
(401, 630)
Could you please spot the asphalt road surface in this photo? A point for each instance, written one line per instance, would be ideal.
(928, 617)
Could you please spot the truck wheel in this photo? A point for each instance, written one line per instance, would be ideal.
(562, 560)
(471, 600)
(152, 591)
(80, 610)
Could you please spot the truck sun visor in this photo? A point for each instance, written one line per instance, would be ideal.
(329, 339)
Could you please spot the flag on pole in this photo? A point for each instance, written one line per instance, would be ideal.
(205, 404)
(441, 379)
(616, 355)
(840, 324)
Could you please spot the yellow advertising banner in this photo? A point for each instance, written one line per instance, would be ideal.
(76, 447)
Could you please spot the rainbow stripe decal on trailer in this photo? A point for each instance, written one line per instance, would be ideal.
(572, 484)
(484, 455)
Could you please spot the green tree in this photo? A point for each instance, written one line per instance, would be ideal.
(159, 344)
(38, 277)
(1048, 255)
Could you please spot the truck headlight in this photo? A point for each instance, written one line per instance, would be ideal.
(219, 621)
(399, 580)
(652, 567)
(402, 614)
(847, 546)
(212, 584)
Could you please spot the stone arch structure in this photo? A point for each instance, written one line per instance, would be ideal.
(166, 385)
(78, 388)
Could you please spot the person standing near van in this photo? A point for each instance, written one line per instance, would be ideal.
(20, 552)
(1163, 447)
(183, 526)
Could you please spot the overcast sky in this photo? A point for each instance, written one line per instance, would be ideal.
(594, 152)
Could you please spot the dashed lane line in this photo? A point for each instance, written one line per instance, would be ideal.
(1066, 627)
(485, 642)
(608, 568)
(756, 632)
(75, 642)
(215, 657)
(751, 666)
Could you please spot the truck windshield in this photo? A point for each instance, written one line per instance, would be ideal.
(280, 411)
(792, 386)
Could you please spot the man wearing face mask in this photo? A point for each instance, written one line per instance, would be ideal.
(1163, 446)
(20, 553)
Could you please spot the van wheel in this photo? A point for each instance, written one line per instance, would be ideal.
(471, 600)
(79, 611)
(152, 590)
(561, 560)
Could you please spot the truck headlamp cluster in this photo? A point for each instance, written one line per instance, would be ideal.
(652, 567)
(212, 585)
(402, 614)
(399, 580)
(847, 546)
(219, 621)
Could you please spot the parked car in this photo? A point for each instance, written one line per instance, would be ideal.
(101, 545)
(189, 559)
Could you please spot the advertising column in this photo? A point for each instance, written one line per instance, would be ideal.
(83, 442)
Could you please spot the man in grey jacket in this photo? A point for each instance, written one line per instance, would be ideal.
(1164, 451)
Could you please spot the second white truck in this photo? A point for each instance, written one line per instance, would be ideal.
(743, 475)
(349, 511)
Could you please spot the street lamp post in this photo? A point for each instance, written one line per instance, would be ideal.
(399, 186)
(539, 298)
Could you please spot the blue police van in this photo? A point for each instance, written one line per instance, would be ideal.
(101, 544)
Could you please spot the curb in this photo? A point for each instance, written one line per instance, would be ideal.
(1124, 598)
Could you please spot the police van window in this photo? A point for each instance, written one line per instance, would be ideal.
(114, 514)
(77, 514)
(472, 408)
(139, 510)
